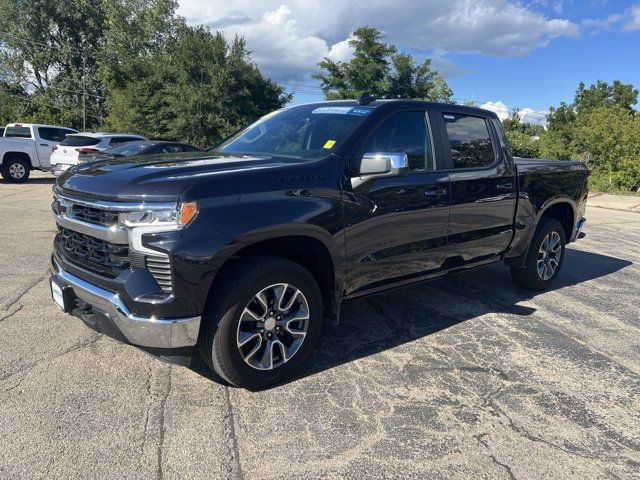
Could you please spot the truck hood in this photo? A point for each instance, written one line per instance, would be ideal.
(162, 178)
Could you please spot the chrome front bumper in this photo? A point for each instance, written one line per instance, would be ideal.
(142, 331)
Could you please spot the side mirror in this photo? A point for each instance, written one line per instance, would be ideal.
(374, 165)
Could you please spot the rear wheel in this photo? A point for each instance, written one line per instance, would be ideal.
(15, 170)
(545, 256)
(262, 323)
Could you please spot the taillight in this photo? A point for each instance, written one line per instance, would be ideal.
(589, 172)
(86, 150)
(54, 148)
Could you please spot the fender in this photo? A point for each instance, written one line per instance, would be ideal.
(527, 219)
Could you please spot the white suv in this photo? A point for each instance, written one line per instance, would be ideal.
(70, 152)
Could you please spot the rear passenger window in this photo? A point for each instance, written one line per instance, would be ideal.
(470, 141)
(51, 134)
(403, 132)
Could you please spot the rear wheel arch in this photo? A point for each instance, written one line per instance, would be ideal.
(562, 211)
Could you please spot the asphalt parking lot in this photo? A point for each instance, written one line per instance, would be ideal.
(466, 377)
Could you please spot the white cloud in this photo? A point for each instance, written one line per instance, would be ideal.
(527, 114)
(498, 107)
(289, 37)
(627, 21)
(634, 22)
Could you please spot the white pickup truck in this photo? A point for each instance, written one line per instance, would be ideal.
(25, 147)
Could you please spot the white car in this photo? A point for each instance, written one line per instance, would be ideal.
(27, 146)
(70, 152)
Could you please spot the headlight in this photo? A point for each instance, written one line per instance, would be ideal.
(175, 217)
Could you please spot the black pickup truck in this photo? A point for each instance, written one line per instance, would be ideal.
(242, 252)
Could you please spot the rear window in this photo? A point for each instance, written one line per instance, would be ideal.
(18, 132)
(52, 134)
(76, 141)
(470, 141)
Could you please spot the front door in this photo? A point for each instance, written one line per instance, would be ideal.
(397, 227)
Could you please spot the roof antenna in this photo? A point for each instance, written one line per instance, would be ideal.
(366, 98)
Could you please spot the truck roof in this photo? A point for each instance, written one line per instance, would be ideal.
(20, 124)
(415, 103)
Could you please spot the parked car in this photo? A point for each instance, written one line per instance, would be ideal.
(71, 150)
(239, 254)
(25, 147)
(140, 147)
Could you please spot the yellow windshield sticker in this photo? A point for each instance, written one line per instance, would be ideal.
(329, 144)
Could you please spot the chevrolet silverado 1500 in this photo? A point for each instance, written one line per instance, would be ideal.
(240, 253)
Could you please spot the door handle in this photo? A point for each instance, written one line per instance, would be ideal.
(432, 192)
(44, 145)
(505, 186)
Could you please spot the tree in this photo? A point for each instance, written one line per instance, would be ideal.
(609, 139)
(198, 87)
(523, 137)
(557, 143)
(379, 68)
(49, 46)
(602, 94)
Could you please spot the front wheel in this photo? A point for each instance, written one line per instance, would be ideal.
(262, 322)
(15, 170)
(545, 257)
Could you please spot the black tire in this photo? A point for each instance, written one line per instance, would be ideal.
(15, 170)
(529, 277)
(217, 343)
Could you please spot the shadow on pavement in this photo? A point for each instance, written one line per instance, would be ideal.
(382, 321)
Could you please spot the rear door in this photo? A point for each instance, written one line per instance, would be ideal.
(396, 227)
(483, 188)
(49, 137)
(46, 138)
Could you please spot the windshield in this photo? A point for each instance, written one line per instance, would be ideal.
(300, 132)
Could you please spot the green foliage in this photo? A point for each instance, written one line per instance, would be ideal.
(524, 138)
(145, 70)
(601, 94)
(378, 68)
(609, 139)
(601, 127)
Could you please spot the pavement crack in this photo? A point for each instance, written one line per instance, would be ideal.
(483, 442)
(19, 297)
(9, 315)
(162, 427)
(73, 348)
(235, 451)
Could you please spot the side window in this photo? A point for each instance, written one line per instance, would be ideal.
(403, 132)
(51, 134)
(171, 149)
(470, 141)
(115, 141)
(190, 148)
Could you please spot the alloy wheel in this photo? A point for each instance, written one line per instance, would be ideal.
(549, 256)
(17, 170)
(273, 326)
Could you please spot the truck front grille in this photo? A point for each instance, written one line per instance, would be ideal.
(94, 215)
(93, 254)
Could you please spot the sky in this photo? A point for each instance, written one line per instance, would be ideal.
(502, 54)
